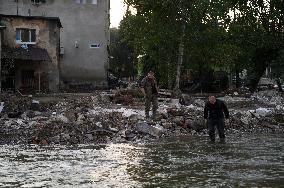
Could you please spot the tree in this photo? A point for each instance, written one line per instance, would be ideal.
(204, 34)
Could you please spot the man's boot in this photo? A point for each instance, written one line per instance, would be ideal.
(147, 115)
(212, 138)
(154, 115)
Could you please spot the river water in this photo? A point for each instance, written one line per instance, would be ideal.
(246, 160)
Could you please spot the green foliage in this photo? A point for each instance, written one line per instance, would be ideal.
(219, 34)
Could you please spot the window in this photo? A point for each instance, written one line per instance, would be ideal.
(81, 1)
(37, 2)
(94, 2)
(95, 45)
(25, 36)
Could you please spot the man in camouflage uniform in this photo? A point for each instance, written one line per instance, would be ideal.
(150, 90)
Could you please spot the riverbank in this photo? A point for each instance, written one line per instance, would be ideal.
(118, 116)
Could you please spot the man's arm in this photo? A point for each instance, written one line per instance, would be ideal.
(142, 85)
(225, 110)
(143, 91)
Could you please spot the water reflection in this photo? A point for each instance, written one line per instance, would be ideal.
(245, 161)
(115, 165)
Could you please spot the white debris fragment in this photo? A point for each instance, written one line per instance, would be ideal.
(174, 103)
(99, 124)
(125, 111)
(62, 118)
(1, 106)
(35, 102)
(262, 112)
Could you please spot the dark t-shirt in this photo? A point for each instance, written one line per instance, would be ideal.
(216, 111)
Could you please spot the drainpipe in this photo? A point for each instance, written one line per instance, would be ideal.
(1, 28)
(0, 59)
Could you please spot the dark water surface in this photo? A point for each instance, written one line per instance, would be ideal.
(246, 160)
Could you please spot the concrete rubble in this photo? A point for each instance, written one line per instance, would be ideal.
(118, 116)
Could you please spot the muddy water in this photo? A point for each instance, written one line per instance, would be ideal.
(246, 160)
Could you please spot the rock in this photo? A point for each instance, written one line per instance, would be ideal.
(179, 120)
(14, 114)
(135, 117)
(1, 106)
(99, 124)
(199, 102)
(174, 103)
(62, 118)
(71, 116)
(64, 137)
(167, 125)
(55, 139)
(129, 135)
(113, 129)
(262, 112)
(158, 117)
(175, 112)
(90, 137)
(73, 140)
(104, 98)
(30, 114)
(163, 121)
(44, 142)
(35, 105)
(145, 128)
(80, 117)
(197, 125)
(20, 122)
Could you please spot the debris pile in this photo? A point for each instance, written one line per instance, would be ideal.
(104, 117)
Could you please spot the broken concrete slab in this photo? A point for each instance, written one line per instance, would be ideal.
(143, 127)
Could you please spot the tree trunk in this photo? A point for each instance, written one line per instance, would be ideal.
(176, 90)
(278, 81)
(0, 60)
(263, 58)
(237, 77)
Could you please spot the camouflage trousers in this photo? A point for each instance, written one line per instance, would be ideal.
(153, 99)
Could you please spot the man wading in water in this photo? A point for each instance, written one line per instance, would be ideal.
(150, 91)
(214, 111)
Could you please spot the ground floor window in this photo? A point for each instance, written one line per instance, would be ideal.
(24, 35)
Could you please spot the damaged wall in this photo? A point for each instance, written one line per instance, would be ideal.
(83, 25)
(47, 37)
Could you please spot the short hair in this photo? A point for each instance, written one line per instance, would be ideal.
(151, 72)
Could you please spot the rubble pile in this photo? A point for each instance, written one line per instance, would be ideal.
(105, 117)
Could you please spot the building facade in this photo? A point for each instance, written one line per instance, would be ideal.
(30, 53)
(84, 36)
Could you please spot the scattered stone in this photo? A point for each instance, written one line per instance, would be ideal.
(97, 119)
(145, 128)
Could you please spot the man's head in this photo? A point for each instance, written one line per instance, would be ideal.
(212, 99)
(150, 74)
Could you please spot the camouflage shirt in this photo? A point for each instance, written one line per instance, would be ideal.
(150, 86)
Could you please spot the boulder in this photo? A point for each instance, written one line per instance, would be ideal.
(143, 127)
(55, 139)
(89, 137)
(167, 125)
(179, 120)
(196, 125)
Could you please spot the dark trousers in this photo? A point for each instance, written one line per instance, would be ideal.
(219, 124)
(154, 100)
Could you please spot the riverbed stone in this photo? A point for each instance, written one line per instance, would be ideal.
(145, 128)
(65, 137)
(89, 137)
(55, 139)
(167, 125)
